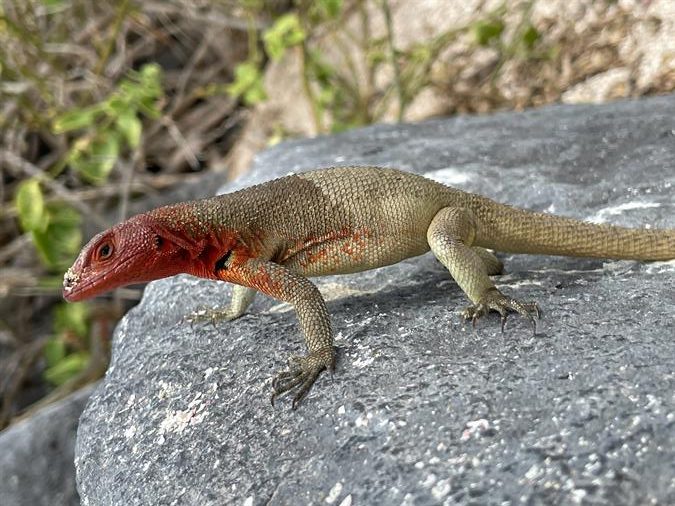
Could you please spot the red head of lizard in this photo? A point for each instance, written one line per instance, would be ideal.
(135, 251)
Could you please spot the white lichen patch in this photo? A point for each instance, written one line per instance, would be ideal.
(475, 428)
(441, 489)
(347, 501)
(177, 421)
(363, 420)
(658, 267)
(364, 359)
(602, 216)
(449, 176)
(334, 493)
(524, 282)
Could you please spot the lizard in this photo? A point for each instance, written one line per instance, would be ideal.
(274, 236)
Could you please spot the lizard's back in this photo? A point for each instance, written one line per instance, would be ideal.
(350, 219)
(344, 219)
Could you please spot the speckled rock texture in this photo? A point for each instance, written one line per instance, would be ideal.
(36, 456)
(422, 409)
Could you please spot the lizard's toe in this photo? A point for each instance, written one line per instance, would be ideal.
(301, 374)
(494, 300)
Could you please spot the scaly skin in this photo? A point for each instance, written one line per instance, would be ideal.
(272, 237)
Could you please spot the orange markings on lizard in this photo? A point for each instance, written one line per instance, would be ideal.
(327, 246)
(357, 243)
(265, 282)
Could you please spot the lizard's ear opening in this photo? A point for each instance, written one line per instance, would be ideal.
(159, 241)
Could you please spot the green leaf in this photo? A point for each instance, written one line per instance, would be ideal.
(30, 206)
(148, 106)
(60, 242)
(71, 317)
(66, 368)
(421, 54)
(151, 75)
(530, 37)
(97, 160)
(54, 351)
(117, 105)
(284, 33)
(255, 95)
(487, 31)
(74, 120)
(320, 70)
(329, 8)
(247, 84)
(131, 127)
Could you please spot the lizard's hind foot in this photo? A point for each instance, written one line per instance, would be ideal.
(302, 373)
(496, 301)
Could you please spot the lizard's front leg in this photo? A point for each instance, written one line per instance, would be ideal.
(450, 235)
(282, 284)
(242, 297)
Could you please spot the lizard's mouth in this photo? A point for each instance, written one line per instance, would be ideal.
(77, 286)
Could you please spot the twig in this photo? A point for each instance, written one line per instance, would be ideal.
(14, 247)
(393, 60)
(317, 113)
(117, 25)
(31, 170)
(189, 69)
(14, 377)
(212, 17)
(185, 149)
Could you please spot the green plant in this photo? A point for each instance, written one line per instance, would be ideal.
(54, 227)
(103, 132)
(248, 84)
(286, 32)
(107, 128)
(65, 353)
(110, 125)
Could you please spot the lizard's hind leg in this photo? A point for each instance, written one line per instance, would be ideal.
(493, 265)
(450, 236)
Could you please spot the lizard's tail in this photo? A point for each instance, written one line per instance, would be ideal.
(508, 229)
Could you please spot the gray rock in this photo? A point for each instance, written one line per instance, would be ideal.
(36, 456)
(422, 409)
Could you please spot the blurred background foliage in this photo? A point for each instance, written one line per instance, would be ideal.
(105, 104)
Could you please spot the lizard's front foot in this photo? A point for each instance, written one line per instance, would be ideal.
(212, 316)
(302, 373)
(496, 301)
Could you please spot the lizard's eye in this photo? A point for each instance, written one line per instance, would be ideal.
(104, 251)
(159, 241)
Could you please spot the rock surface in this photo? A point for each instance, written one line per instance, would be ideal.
(422, 410)
(36, 456)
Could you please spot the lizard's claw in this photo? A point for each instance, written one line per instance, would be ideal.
(302, 373)
(496, 301)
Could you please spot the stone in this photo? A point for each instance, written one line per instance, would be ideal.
(422, 409)
(36, 455)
